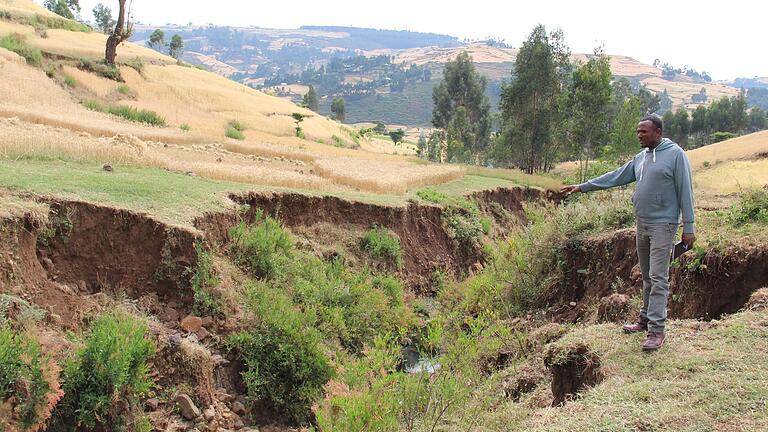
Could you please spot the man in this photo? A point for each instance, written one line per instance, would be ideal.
(663, 192)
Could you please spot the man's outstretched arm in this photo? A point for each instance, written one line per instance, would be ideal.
(618, 177)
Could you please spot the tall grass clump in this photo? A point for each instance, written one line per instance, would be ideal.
(70, 81)
(204, 280)
(383, 245)
(49, 22)
(17, 43)
(107, 71)
(282, 355)
(235, 130)
(126, 112)
(261, 248)
(752, 207)
(22, 366)
(596, 212)
(109, 370)
(461, 216)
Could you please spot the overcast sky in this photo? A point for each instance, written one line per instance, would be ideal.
(725, 38)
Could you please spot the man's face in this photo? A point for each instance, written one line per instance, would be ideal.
(648, 134)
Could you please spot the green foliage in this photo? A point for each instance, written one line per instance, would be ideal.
(461, 109)
(110, 366)
(383, 245)
(281, 353)
(530, 105)
(128, 113)
(585, 215)
(102, 16)
(721, 136)
(63, 7)
(201, 67)
(310, 99)
(623, 134)
(185, 127)
(94, 105)
(338, 110)
(236, 125)
(176, 46)
(298, 118)
(752, 207)
(47, 22)
(156, 40)
(135, 63)
(234, 134)
(203, 281)
(102, 69)
(70, 81)
(397, 136)
(460, 215)
(123, 89)
(16, 43)
(21, 361)
(261, 248)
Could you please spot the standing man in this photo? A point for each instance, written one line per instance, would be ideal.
(664, 191)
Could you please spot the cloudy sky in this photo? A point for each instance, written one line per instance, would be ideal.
(725, 38)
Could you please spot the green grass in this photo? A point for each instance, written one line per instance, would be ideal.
(383, 245)
(185, 127)
(70, 81)
(123, 89)
(234, 134)
(128, 113)
(236, 125)
(16, 43)
(173, 197)
(48, 22)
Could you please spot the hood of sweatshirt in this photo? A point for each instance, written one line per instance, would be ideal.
(665, 144)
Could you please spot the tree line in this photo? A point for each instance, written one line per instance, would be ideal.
(552, 109)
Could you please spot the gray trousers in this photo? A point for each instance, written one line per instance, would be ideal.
(654, 242)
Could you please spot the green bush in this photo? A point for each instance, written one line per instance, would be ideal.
(752, 207)
(596, 212)
(133, 114)
(203, 281)
(70, 81)
(383, 245)
(123, 89)
(185, 127)
(135, 63)
(461, 216)
(110, 367)
(5, 15)
(94, 105)
(201, 67)
(721, 136)
(49, 22)
(21, 360)
(16, 43)
(261, 248)
(236, 125)
(99, 68)
(281, 354)
(234, 134)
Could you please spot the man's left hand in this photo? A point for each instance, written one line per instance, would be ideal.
(689, 239)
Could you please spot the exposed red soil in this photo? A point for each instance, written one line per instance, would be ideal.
(607, 264)
(426, 246)
(573, 369)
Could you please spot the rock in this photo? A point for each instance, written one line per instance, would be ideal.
(222, 394)
(758, 300)
(202, 333)
(209, 413)
(218, 360)
(238, 408)
(188, 409)
(191, 323)
(82, 287)
(152, 404)
(207, 321)
(108, 168)
(174, 341)
(613, 308)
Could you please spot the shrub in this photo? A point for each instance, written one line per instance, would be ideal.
(751, 207)
(123, 89)
(133, 114)
(201, 67)
(5, 15)
(16, 43)
(383, 245)
(282, 358)
(109, 370)
(203, 281)
(261, 248)
(594, 213)
(21, 366)
(721, 136)
(236, 125)
(94, 105)
(185, 127)
(102, 69)
(234, 134)
(70, 81)
(135, 63)
(461, 216)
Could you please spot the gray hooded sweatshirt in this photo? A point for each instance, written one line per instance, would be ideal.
(664, 188)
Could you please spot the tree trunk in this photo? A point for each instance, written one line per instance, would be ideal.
(117, 36)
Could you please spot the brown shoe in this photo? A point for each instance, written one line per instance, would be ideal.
(654, 341)
(640, 326)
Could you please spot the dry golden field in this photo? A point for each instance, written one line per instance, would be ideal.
(41, 116)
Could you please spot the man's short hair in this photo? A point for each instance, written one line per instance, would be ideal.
(656, 120)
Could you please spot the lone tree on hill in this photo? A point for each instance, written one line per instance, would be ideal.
(176, 47)
(310, 99)
(120, 34)
(156, 40)
(298, 118)
(103, 17)
(461, 109)
(397, 136)
(337, 108)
